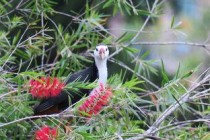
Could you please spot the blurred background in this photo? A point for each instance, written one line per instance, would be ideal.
(172, 21)
(191, 24)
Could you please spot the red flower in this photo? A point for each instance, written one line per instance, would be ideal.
(45, 87)
(98, 98)
(46, 133)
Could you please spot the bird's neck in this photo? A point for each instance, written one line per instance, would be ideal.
(102, 70)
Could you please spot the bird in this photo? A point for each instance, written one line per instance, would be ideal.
(98, 70)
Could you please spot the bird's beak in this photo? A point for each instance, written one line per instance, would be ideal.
(102, 53)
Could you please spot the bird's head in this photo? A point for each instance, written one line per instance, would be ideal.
(101, 52)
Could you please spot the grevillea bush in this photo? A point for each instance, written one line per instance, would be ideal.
(156, 92)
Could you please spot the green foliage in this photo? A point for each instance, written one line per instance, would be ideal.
(37, 40)
(122, 6)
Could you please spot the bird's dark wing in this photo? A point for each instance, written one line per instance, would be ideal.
(88, 74)
(61, 101)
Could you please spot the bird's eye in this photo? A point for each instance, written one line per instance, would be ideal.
(106, 49)
(96, 49)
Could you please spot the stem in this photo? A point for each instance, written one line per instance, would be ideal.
(202, 45)
(183, 123)
(14, 91)
(35, 117)
(145, 22)
(43, 45)
(129, 69)
(139, 32)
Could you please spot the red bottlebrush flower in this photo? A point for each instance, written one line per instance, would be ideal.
(45, 87)
(98, 98)
(46, 133)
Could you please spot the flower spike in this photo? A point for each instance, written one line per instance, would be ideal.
(98, 98)
(46, 87)
(46, 133)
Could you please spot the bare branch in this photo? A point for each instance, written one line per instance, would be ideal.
(139, 32)
(143, 137)
(19, 4)
(119, 137)
(145, 22)
(43, 35)
(8, 93)
(202, 45)
(36, 117)
(183, 99)
(183, 123)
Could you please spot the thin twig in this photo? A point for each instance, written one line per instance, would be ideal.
(19, 4)
(36, 117)
(8, 93)
(129, 69)
(202, 45)
(43, 34)
(119, 136)
(68, 15)
(143, 137)
(139, 32)
(148, 6)
(145, 22)
(183, 123)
